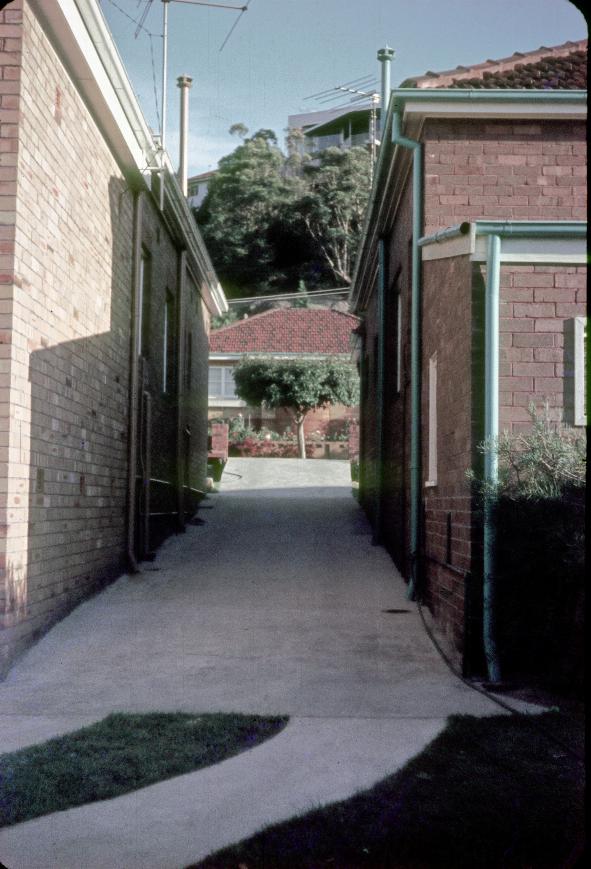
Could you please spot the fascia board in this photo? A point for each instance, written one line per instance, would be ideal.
(84, 46)
(535, 250)
(461, 246)
(495, 111)
(225, 357)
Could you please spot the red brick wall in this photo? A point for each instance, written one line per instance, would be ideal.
(447, 290)
(535, 302)
(518, 170)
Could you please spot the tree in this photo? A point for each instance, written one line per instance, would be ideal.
(244, 202)
(271, 221)
(333, 206)
(299, 386)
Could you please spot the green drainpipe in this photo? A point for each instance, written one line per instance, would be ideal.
(491, 469)
(496, 230)
(415, 349)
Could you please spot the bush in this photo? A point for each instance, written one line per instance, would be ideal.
(538, 509)
(542, 462)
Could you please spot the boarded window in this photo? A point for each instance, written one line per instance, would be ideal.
(432, 460)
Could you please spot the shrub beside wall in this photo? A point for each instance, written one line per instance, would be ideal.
(540, 585)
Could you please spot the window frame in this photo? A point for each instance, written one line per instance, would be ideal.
(225, 371)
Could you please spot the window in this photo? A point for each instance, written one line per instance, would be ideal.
(221, 382)
(168, 345)
(398, 340)
(143, 306)
(432, 474)
(188, 360)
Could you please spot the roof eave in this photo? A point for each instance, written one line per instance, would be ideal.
(421, 103)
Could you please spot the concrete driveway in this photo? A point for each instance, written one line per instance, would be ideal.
(278, 604)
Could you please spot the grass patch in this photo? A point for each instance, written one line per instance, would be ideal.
(488, 792)
(120, 754)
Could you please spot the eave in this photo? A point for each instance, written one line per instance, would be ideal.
(415, 106)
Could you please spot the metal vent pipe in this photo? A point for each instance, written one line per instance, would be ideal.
(184, 82)
(385, 56)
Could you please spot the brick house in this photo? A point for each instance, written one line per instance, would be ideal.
(106, 296)
(479, 193)
(281, 333)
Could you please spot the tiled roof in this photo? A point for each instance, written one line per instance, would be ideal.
(563, 67)
(287, 330)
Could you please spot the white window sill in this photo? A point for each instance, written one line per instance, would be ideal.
(429, 484)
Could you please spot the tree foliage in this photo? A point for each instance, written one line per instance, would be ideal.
(333, 206)
(271, 221)
(299, 386)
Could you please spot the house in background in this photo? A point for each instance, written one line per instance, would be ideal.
(107, 293)
(281, 333)
(347, 127)
(197, 186)
(471, 283)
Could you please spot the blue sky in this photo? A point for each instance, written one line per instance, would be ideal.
(284, 50)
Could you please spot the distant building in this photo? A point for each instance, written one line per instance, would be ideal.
(281, 333)
(197, 187)
(333, 128)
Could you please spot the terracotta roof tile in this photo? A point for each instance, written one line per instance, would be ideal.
(287, 330)
(563, 67)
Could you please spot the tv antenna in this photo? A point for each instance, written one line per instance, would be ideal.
(140, 24)
(359, 88)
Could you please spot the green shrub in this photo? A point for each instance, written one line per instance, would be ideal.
(542, 462)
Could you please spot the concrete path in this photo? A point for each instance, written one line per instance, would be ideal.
(276, 605)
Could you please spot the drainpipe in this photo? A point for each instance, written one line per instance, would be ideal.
(136, 277)
(377, 535)
(180, 355)
(184, 82)
(491, 431)
(415, 348)
(385, 56)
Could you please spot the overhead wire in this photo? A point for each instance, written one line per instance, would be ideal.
(233, 27)
(151, 36)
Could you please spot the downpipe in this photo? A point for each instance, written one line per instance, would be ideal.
(415, 351)
(491, 466)
(132, 455)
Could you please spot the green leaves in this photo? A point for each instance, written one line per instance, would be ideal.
(270, 222)
(299, 386)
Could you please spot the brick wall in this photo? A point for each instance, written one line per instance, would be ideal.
(11, 575)
(66, 385)
(536, 300)
(447, 505)
(519, 170)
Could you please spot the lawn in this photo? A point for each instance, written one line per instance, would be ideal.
(505, 791)
(120, 754)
